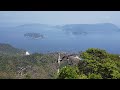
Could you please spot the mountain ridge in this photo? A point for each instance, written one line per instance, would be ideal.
(7, 49)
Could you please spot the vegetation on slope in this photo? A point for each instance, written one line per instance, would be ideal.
(6, 49)
(33, 66)
(96, 64)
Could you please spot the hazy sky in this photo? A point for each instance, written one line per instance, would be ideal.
(60, 17)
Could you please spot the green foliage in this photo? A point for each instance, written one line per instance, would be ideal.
(116, 74)
(96, 64)
(94, 76)
(68, 72)
(94, 53)
(28, 76)
(41, 66)
(82, 76)
(99, 63)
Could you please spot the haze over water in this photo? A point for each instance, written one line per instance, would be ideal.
(57, 39)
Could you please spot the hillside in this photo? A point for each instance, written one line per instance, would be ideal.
(35, 66)
(45, 66)
(10, 50)
(14, 65)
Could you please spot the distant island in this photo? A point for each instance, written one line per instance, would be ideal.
(34, 35)
(79, 33)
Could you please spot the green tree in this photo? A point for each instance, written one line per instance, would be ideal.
(82, 76)
(95, 54)
(94, 76)
(69, 72)
(98, 64)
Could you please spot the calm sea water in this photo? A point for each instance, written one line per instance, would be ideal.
(58, 40)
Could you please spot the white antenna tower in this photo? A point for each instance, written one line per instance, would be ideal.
(59, 59)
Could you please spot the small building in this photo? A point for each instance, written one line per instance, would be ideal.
(27, 53)
(77, 57)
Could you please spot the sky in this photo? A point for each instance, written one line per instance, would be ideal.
(59, 17)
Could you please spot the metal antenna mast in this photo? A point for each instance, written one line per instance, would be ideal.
(59, 59)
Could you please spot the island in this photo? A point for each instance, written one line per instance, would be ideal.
(34, 35)
(79, 33)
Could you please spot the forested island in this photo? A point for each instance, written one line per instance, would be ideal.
(34, 35)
